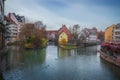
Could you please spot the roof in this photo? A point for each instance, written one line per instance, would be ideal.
(63, 29)
(12, 18)
(101, 33)
(91, 31)
(52, 31)
(113, 25)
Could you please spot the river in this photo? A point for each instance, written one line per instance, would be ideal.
(55, 63)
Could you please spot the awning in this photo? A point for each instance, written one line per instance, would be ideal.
(105, 44)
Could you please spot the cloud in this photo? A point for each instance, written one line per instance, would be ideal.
(67, 12)
(36, 12)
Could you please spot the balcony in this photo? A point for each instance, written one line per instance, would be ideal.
(116, 30)
(117, 35)
(117, 39)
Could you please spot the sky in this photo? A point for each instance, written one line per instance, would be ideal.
(54, 13)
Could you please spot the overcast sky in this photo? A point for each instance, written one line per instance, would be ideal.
(54, 13)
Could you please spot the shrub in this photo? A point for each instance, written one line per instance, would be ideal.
(44, 42)
(28, 45)
(63, 41)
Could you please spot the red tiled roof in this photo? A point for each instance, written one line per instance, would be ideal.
(58, 32)
(102, 33)
(52, 31)
(12, 18)
(64, 29)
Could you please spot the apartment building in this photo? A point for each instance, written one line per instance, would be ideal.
(116, 32)
(88, 35)
(109, 33)
(15, 24)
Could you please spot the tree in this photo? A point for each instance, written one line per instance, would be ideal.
(27, 30)
(63, 41)
(32, 35)
(75, 30)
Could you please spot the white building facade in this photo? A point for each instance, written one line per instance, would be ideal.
(88, 35)
(116, 33)
(14, 27)
(12, 34)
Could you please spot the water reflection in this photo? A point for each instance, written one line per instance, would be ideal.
(18, 57)
(62, 53)
(55, 63)
(88, 51)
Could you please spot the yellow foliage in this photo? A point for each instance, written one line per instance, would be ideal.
(44, 42)
(28, 45)
(63, 41)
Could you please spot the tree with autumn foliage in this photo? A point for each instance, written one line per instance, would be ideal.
(63, 41)
(33, 36)
(26, 31)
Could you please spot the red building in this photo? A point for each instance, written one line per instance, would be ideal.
(66, 30)
(54, 34)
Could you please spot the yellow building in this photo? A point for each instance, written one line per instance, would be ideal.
(109, 33)
(63, 38)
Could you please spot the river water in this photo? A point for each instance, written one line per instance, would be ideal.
(55, 63)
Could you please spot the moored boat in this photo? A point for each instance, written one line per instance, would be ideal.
(111, 53)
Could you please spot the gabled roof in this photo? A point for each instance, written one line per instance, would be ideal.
(91, 31)
(84, 33)
(12, 18)
(63, 29)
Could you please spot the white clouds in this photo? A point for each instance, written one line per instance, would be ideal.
(91, 15)
(75, 13)
(36, 12)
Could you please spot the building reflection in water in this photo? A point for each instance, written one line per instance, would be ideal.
(63, 53)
